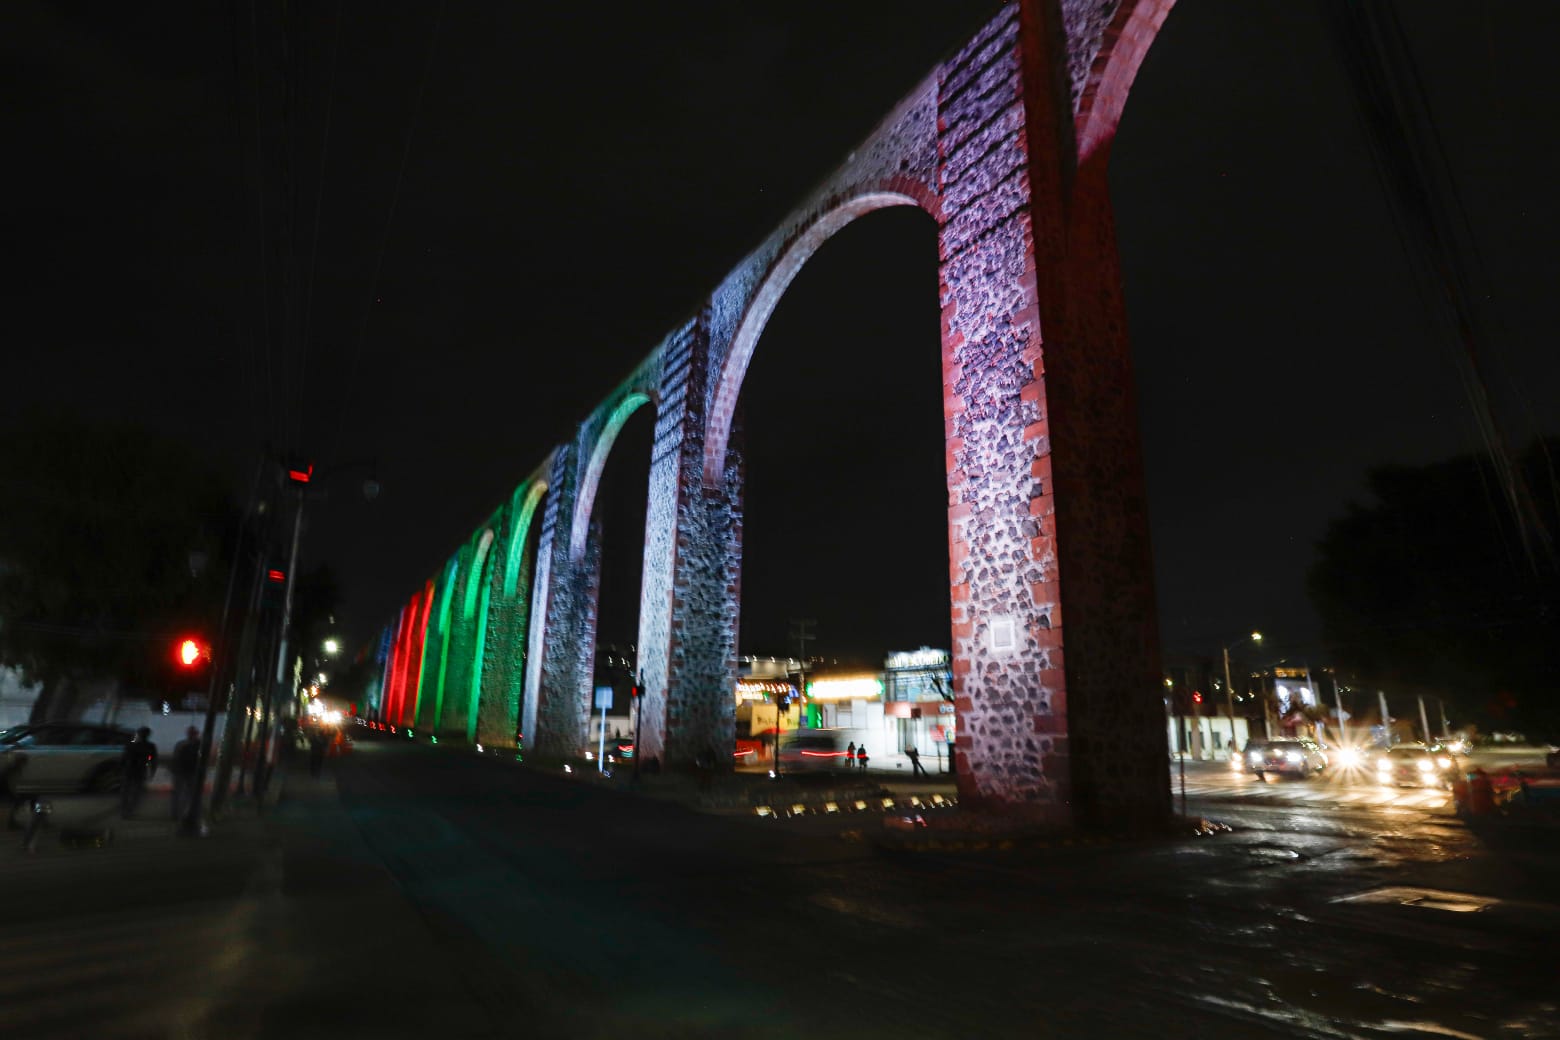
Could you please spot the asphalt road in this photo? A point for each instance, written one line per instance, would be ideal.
(582, 912)
(425, 892)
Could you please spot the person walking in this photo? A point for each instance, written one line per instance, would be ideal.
(137, 764)
(861, 758)
(850, 755)
(916, 768)
(186, 764)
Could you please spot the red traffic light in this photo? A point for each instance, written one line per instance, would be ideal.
(1196, 698)
(191, 652)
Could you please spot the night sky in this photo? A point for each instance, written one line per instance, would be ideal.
(494, 211)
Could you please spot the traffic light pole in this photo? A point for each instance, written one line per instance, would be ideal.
(262, 774)
(639, 713)
(1229, 699)
(191, 824)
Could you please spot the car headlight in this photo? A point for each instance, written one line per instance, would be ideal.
(1383, 766)
(1425, 765)
(1255, 757)
(1348, 756)
(1293, 756)
(1444, 763)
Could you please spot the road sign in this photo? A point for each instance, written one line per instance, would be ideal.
(603, 697)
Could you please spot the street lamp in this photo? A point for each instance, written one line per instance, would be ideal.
(332, 647)
(1229, 692)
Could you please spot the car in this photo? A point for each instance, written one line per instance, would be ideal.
(1285, 757)
(815, 750)
(58, 757)
(1415, 765)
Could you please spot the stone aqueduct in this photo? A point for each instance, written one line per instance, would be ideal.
(1055, 644)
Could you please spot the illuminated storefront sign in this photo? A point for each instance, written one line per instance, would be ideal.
(762, 689)
(858, 688)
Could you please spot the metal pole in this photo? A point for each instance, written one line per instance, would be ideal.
(191, 822)
(1446, 729)
(1197, 740)
(1343, 734)
(601, 747)
(1386, 720)
(639, 713)
(1269, 710)
(281, 652)
(1229, 698)
(1424, 722)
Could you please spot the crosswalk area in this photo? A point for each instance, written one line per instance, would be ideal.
(1311, 792)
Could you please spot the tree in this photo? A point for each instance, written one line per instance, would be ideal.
(1430, 590)
(114, 543)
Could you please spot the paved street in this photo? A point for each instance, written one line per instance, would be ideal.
(422, 891)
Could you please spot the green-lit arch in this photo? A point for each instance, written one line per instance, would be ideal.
(446, 594)
(480, 577)
(468, 606)
(527, 497)
(586, 496)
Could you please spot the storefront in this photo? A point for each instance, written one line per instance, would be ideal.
(918, 688)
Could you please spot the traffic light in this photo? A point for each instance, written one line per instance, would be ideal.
(190, 652)
(1196, 696)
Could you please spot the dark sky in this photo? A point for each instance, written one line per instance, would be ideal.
(495, 210)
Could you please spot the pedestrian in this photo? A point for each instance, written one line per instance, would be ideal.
(186, 766)
(850, 755)
(916, 768)
(137, 763)
(319, 743)
(861, 757)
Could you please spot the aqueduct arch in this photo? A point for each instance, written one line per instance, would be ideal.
(766, 298)
(1055, 644)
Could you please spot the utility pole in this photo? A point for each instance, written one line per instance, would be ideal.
(1229, 700)
(1386, 720)
(261, 773)
(1424, 722)
(799, 632)
(192, 817)
(1343, 734)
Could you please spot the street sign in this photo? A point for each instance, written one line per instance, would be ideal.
(603, 697)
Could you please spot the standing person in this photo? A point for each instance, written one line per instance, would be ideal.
(318, 745)
(138, 763)
(186, 764)
(861, 758)
(916, 768)
(850, 755)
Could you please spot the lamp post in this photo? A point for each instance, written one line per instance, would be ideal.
(1229, 692)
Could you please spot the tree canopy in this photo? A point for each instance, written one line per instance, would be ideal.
(1429, 589)
(114, 542)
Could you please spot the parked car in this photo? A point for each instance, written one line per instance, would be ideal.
(1285, 757)
(1415, 765)
(62, 756)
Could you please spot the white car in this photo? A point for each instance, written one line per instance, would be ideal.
(62, 756)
